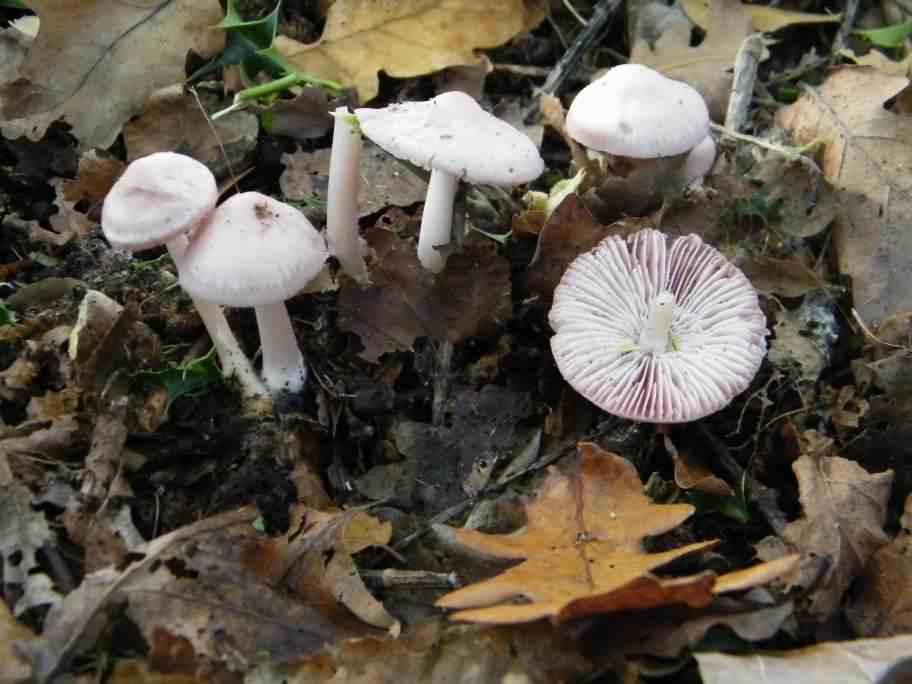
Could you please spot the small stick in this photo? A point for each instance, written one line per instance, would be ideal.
(571, 58)
(745, 76)
(391, 578)
(849, 14)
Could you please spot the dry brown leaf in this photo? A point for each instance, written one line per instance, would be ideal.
(220, 590)
(570, 231)
(864, 153)
(470, 297)
(844, 512)
(172, 121)
(581, 550)
(786, 277)
(13, 668)
(881, 604)
(94, 62)
(707, 67)
(762, 18)
(387, 182)
(847, 662)
(406, 38)
(878, 60)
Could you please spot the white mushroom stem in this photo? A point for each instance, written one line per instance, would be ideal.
(437, 219)
(232, 358)
(283, 363)
(657, 331)
(342, 196)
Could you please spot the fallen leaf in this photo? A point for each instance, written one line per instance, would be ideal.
(570, 231)
(806, 203)
(864, 154)
(762, 18)
(878, 60)
(844, 512)
(786, 277)
(849, 662)
(406, 38)
(172, 121)
(528, 654)
(221, 590)
(305, 116)
(881, 604)
(581, 550)
(12, 667)
(94, 62)
(707, 67)
(386, 180)
(469, 298)
(804, 342)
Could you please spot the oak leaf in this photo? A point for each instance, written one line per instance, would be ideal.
(582, 551)
(864, 153)
(406, 38)
(94, 62)
(707, 67)
(762, 18)
(844, 512)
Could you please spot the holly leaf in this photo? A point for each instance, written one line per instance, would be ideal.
(582, 551)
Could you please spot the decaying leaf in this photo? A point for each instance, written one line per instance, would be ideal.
(844, 512)
(406, 38)
(786, 277)
(864, 153)
(94, 62)
(470, 297)
(12, 667)
(763, 18)
(386, 181)
(172, 121)
(222, 590)
(849, 662)
(582, 551)
(881, 604)
(707, 67)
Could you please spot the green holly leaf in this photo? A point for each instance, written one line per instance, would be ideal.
(192, 378)
(888, 36)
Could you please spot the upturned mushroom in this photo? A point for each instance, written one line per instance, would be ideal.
(655, 332)
(255, 251)
(645, 122)
(159, 200)
(454, 138)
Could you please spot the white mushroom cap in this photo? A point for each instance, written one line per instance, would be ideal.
(157, 199)
(453, 133)
(633, 111)
(253, 250)
(604, 301)
(699, 161)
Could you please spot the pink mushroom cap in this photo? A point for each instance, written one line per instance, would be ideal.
(157, 199)
(602, 304)
(253, 250)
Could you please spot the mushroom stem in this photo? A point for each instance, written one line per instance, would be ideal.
(342, 196)
(655, 334)
(232, 358)
(283, 363)
(437, 219)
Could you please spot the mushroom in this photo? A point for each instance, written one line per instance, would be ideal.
(342, 196)
(454, 138)
(699, 161)
(645, 121)
(655, 332)
(159, 200)
(256, 251)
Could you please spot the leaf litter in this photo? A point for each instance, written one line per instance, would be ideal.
(106, 442)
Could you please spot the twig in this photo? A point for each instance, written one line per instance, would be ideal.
(745, 76)
(849, 14)
(571, 58)
(791, 153)
(391, 578)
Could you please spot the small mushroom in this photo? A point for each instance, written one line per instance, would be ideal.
(655, 332)
(453, 137)
(159, 200)
(645, 121)
(256, 251)
(342, 196)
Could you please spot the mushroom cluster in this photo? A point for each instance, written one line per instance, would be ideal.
(655, 129)
(250, 251)
(657, 332)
